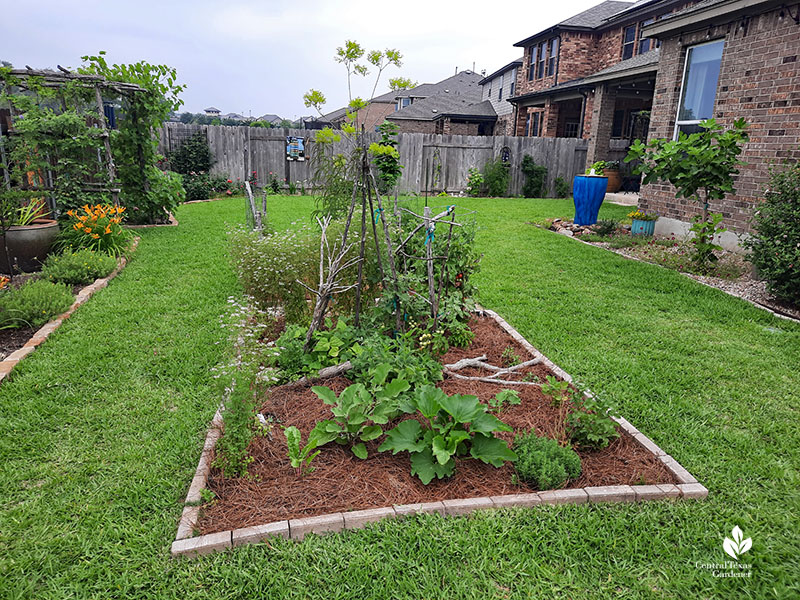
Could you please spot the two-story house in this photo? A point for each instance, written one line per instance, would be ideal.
(592, 76)
(497, 88)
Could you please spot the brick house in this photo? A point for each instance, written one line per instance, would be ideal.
(372, 115)
(497, 88)
(592, 76)
(451, 106)
(727, 59)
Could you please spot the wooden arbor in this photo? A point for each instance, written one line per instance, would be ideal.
(27, 80)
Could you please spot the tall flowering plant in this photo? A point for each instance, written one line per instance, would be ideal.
(98, 228)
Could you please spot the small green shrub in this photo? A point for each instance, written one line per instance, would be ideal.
(300, 458)
(535, 178)
(543, 463)
(775, 244)
(79, 267)
(33, 304)
(193, 156)
(590, 422)
(404, 359)
(497, 176)
(605, 227)
(561, 188)
(474, 182)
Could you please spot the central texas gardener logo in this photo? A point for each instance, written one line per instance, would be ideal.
(737, 546)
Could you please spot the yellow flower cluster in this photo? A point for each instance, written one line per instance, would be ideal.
(641, 216)
(4, 281)
(97, 220)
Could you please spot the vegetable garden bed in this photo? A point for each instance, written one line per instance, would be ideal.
(342, 488)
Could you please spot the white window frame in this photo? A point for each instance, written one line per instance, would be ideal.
(679, 123)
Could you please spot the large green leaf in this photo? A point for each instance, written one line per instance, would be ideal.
(463, 409)
(424, 466)
(380, 372)
(321, 436)
(491, 450)
(487, 423)
(371, 432)
(325, 394)
(404, 437)
(395, 387)
(428, 401)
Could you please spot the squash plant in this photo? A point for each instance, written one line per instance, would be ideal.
(454, 426)
(358, 413)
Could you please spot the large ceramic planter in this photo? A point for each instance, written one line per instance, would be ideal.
(614, 180)
(588, 192)
(27, 245)
(643, 227)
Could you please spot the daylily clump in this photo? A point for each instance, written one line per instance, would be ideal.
(98, 227)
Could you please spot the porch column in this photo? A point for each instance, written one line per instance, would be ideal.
(550, 118)
(605, 98)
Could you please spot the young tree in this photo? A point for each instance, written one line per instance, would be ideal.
(701, 166)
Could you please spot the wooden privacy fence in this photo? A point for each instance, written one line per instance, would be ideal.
(430, 161)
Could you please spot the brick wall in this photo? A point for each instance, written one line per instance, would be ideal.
(415, 126)
(455, 128)
(505, 125)
(760, 81)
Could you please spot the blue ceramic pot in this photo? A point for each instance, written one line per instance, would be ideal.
(588, 193)
(643, 227)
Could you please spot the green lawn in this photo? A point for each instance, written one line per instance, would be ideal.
(104, 423)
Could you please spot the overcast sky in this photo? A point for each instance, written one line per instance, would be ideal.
(260, 57)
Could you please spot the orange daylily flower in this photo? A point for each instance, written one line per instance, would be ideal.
(108, 229)
(95, 236)
(87, 230)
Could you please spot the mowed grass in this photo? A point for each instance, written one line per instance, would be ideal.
(103, 425)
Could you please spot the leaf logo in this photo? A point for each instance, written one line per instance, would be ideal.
(737, 546)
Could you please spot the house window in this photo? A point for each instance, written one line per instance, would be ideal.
(512, 87)
(571, 129)
(534, 52)
(628, 42)
(536, 124)
(542, 56)
(500, 90)
(699, 90)
(528, 125)
(551, 63)
(403, 102)
(645, 44)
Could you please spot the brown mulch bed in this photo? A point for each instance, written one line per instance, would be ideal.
(342, 482)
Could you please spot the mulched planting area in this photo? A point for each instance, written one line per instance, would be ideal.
(342, 482)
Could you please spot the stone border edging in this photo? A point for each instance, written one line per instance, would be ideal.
(297, 529)
(11, 361)
(687, 275)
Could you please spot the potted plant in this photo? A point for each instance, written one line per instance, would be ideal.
(588, 192)
(643, 223)
(611, 170)
(25, 235)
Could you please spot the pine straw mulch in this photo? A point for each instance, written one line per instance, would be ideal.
(342, 482)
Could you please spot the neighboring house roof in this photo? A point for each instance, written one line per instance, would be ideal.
(387, 98)
(212, 109)
(446, 105)
(236, 116)
(587, 20)
(459, 83)
(508, 67)
(707, 11)
(269, 118)
(641, 63)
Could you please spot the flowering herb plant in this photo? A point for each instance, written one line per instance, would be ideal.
(638, 215)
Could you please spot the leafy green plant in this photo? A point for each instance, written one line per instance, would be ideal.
(561, 187)
(703, 240)
(444, 436)
(96, 227)
(535, 178)
(79, 267)
(300, 458)
(509, 357)
(232, 456)
(705, 162)
(775, 243)
(555, 390)
(358, 413)
(590, 421)
(543, 462)
(33, 304)
(598, 167)
(606, 227)
(474, 182)
(497, 176)
(386, 156)
(503, 397)
(193, 156)
(405, 360)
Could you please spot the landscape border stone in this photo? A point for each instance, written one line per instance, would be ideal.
(297, 529)
(40, 335)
